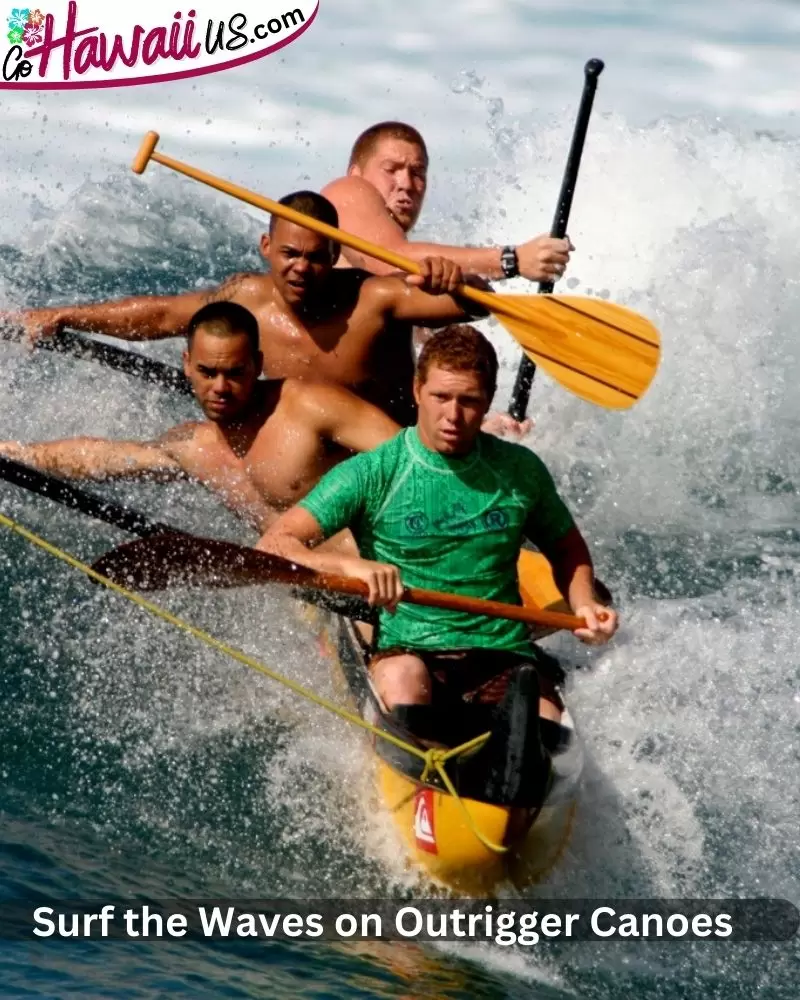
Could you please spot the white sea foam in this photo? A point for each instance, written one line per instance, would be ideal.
(691, 716)
(291, 118)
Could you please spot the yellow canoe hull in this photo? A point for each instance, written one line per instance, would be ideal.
(437, 829)
(439, 839)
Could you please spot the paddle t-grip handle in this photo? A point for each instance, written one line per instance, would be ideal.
(145, 152)
(520, 394)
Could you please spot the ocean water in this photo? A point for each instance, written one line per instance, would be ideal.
(135, 762)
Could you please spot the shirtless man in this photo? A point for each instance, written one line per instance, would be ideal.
(380, 199)
(342, 326)
(263, 444)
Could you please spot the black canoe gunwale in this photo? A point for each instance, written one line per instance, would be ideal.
(560, 740)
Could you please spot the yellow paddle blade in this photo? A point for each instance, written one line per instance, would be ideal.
(537, 584)
(603, 352)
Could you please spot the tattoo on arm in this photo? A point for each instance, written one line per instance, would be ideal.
(226, 291)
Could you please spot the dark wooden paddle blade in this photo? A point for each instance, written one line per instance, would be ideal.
(177, 559)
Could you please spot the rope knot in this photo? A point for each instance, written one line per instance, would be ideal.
(434, 762)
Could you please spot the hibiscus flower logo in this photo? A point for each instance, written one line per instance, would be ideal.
(32, 34)
(25, 25)
(18, 19)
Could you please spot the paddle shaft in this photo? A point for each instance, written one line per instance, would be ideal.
(77, 499)
(290, 573)
(521, 392)
(477, 606)
(128, 362)
(117, 358)
(488, 300)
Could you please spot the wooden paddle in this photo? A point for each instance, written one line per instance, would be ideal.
(602, 352)
(179, 559)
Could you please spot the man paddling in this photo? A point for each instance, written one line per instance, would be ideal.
(343, 326)
(262, 445)
(380, 199)
(445, 506)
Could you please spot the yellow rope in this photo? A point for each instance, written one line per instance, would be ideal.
(434, 759)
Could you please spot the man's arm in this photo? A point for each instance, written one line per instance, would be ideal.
(427, 299)
(551, 528)
(142, 317)
(362, 212)
(574, 576)
(338, 415)
(97, 458)
(296, 533)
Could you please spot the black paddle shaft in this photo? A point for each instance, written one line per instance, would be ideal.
(527, 369)
(71, 496)
(128, 362)
(137, 524)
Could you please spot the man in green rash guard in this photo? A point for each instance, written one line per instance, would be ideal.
(443, 505)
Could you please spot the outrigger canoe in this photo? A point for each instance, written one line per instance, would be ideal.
(504, 808)
(516, 795)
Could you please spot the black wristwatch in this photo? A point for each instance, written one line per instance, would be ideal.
(509, 262)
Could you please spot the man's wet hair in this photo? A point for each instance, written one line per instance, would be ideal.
(309, 203)
(315, 205)
(225, 319)
(365, 144)
(459, 348)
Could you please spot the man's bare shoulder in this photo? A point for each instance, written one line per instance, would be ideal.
(188, 435)
(374, 296)
(347, 191)
(244, 287)
(363, 211)
(383, 288)
(306, 396)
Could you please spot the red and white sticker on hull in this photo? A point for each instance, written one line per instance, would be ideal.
(424, 829)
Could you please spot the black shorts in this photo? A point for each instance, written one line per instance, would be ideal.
(478, 675)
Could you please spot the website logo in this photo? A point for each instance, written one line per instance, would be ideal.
(92, 43)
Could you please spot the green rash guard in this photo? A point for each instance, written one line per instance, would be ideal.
(451, 524)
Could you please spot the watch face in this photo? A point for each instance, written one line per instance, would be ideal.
(509, 263)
